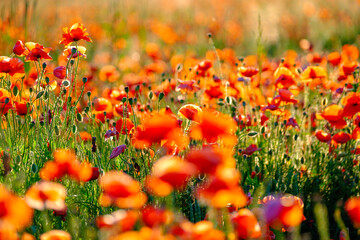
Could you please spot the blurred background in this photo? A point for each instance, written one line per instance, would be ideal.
(124, 27)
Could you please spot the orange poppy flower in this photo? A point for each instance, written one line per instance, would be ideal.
(109, 73)
(352, 104)
(349, 53)
(323, 136)
(122, 190)
(173, 170)
(352, 207)
(191, 112)
(334, 115)
(205, 230)
(121, 219)
(334, 58)
(37, 51)
(15, 213)
(313, 72)
(154, 128)
(102, 105)
(65, 163)
(205, 160)
(46, 195)
(76, 32)
(55, 235)
(85, 136)
(5, 101)
(245, 224)
(12, 66)
(222, 189)
(214, 125)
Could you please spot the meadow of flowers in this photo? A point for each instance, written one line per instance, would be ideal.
(193, 121)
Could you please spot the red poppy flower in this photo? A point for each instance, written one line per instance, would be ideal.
(352, 207)
(152, 216)
(5, 101)
(352, 104)
(191, 112)
(20, 49)
(205, 160)
(75, 33)
(173, 171)
(60, 72)
(247, 71)
(21, 108)
(37, 52)
(46, 195)
(341, 137)
(15, 213)
(213, 126)
(154, 129)
(250, 150)
(125, 220)
(222, 189)
(323, 136)
(246, 225)
(124, 127)
(12, 66)
(121, 190)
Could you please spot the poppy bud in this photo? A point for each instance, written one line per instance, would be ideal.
(126, 89)
(84, 80)
(137, 88)
(151, 94)
(209, 35)
(32, 124)
(95, 173)
(47, 80)
(88, 93)
(124, 99)
(44, 65)
(72, 62)
(73, 50)
(135, 100)
(161, 96)
(41, 123)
